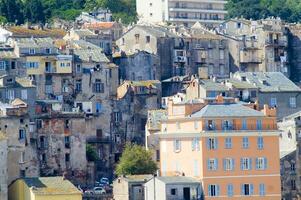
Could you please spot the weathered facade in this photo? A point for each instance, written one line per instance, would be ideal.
(3, 167)
(290, 156)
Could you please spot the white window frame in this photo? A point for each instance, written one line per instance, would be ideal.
(228, 164)
(24, 95)
(293, 102)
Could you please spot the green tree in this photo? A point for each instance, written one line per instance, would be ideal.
(135, 159)
(91, 153)
(34, 11)
(12, 10)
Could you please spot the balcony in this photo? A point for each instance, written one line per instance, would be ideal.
(98, 140)
(198, 10)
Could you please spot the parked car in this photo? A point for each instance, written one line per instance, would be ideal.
(104, 181)
(99, 190)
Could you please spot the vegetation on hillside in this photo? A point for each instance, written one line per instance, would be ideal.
(35, 11)
(135, 160)
(288, 10)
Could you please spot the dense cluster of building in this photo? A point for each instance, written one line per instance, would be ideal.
(218, 102)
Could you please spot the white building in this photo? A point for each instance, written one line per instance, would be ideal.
(187, 12)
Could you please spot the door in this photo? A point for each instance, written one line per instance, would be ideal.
(186, 193)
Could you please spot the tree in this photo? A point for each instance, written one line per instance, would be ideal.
(12, 10)
(135, 159)
(34, 11)
(91, 153)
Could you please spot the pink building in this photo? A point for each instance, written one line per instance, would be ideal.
(233, 149)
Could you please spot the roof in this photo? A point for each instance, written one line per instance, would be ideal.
(35, 42)
(18, 103)
(138, 178)
(241, 84)
(177, 180)
(19, 31)
(24, 82)
(96, 55)
(84, 32)
(156, 31)
(50, 185)
(177, 79)
(7, 54)
(227, 110)
(200, 32)
(213, 86)
(2, 136)
(99, 25)
(269, 81)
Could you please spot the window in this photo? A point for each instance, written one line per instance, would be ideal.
(98, 86)
(230, 190)
(10, 94)
(22, 134)
(261, 163)
(196, 125)
(273, 102)
(261, 189)
(147, 39)
(293, 167)
(2, 65)
(67, 157)
(211, 143)
(39, 123)
(48, 51)
(178, 125)
(293, 102)
(244, 124)
(293, 184)
(78, 85)
(67, 123)
(195, 145)
(63, 64)
(48, 89)
(245, 142)
(260, 142)
(210, 125)
(221, 54)
(247, 189)
(137, 38)
(196, 168)
(67, 142)
(32, 51)
(227, 125)
(228, 164)
(212, 164)
(32, 65)
(117, 116)
(22, 173)
(173, 191)
(177, 145)
(24, 94)
(228, 143)
(258, 124)
(213, 190)
(78, 68)
(245, 163)
(22, 157)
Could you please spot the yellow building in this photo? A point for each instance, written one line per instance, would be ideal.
(43, 188)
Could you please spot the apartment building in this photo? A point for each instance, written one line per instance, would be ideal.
(210, 12)
(226, 146)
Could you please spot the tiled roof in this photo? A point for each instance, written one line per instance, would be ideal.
(143, 83)
(2, 136)
(24, 82)
(84, 32)
(241, 84)
(227, 110)
(155, 117)
(96, 55)
(50, 185)
(138, 178)
(269, 81)
(100, 25)
(7, 54)
(156, 31)
(177, 180)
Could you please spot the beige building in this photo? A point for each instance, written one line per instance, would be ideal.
(210, 12)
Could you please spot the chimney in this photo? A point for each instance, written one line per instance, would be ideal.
(269, 112)
(90, 59)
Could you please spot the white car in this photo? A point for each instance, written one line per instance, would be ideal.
(99, 190)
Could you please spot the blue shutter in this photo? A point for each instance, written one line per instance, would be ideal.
(208, 143)
(257, 163)
(230, 190)
(208, 164)
(250, 162)
(251, 189)
(207, 128)
(216, 163)
(216, 143)
(265, 163)
(241, 164)
(261, 189)
(213, 124)
(242, 189)
(209, 191)
(233, 164)
(224, 163)
(230, 143)
(217, 190)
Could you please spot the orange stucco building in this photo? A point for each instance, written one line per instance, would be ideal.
(233, 149)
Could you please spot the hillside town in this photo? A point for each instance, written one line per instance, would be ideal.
(215, 103)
